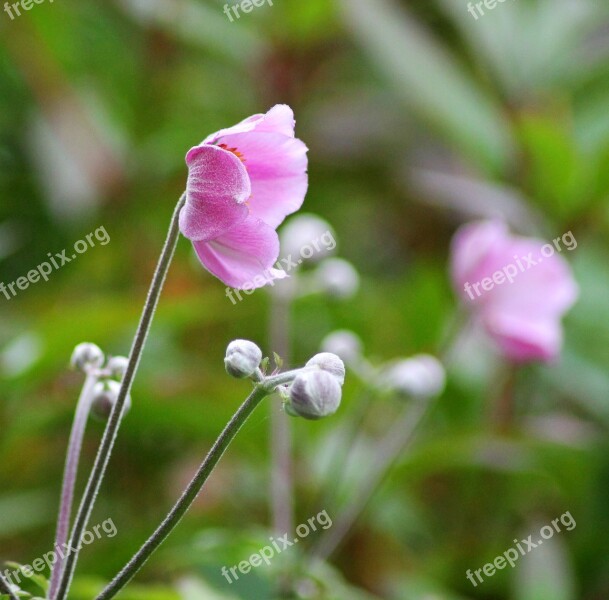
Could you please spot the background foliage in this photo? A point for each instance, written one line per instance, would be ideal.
(418, 118)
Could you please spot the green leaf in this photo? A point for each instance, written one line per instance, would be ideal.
(432, 82)
(38, 580)
(278, 360)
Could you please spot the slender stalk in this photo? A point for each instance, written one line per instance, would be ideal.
(341, 451)
(282, 493)
(399, 437)
(111, 431)
(189, 495)
(5, 588)
(77, 435)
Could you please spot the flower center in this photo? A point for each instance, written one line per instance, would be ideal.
(236, 152)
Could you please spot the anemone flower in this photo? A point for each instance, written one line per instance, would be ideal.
(242, 183)
(518, 288)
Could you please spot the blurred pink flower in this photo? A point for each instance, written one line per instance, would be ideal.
(518, 288)
(242, 183)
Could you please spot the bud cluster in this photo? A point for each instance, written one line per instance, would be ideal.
(89, 358)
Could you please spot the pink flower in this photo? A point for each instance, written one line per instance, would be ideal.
(518, 288)
(242, 183)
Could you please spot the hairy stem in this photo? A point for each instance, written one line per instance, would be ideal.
(111, 431)
(188, 497)
(77, 435)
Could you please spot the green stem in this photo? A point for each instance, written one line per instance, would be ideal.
(111, 431)
(189, 495)
(282, 485)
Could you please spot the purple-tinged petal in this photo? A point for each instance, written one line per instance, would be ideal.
(277, 166)
(524, 339)
(218, 187)
(279, 119)
(475, 250)
(243, 256)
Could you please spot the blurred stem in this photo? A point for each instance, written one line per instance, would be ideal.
(390, 448)
(77, 435)
(282, 494)
(5, 588)
(189, 495)
(344, 444)
(111, 431)
(504, 409)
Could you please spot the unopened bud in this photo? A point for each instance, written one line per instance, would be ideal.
(343, 343)
(307, 231)
(117, 366)
(337, 278)
(421, 376)
(242, 358)
(331, 363)
(105, 395)
(314, 395)
(87, 355)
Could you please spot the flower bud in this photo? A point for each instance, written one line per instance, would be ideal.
(87, 355)
(105, 395)
(307, 231)
(314, 395)
(337, 278)
(329, 362)
(117, 366)
(343, 343)
(421, 376)
(242, 358)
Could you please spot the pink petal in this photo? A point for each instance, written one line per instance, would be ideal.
(524, 339)
(217, 187)
(277, 166)
(279, 119)
(477, 250)
(243, 257)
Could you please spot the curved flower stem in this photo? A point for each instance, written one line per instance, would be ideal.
(77, 435)
(110, 433)
(5, 588)
(399, 437)
(190, 494)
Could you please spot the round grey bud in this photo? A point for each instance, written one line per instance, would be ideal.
(87, 355)
(314, 395)
(242, 358)
(105, 395)
(337, 278)
(117, 366)
(421, 376)
(304, 232)
(331, 363)
(345, 344)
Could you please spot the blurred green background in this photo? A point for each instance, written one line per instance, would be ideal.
(418, 118)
